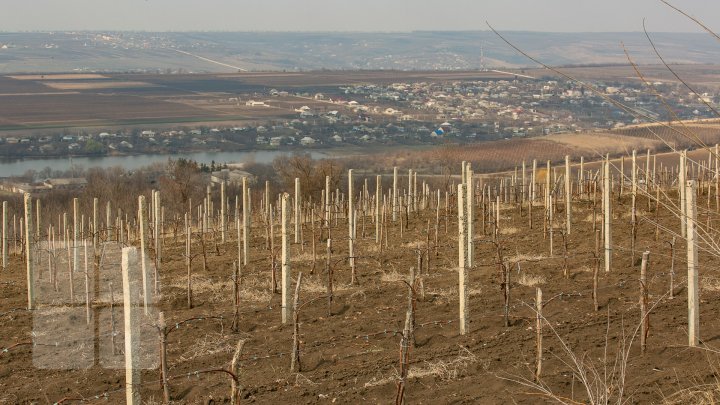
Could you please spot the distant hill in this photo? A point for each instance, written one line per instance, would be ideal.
(215, 52)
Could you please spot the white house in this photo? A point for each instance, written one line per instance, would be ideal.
(307, 141)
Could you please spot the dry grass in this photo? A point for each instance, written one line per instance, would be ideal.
(510, 230)
(710, 284)
(393, 277)
(531, 280)
(318, 285)
(522, 257)
(216, 291)
(209, 344)
(449, 370)
(444, 370)
(705, 394)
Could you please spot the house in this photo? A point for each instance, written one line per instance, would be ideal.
(337, 138)
(276, 140)
(307, 141)
(68, 183)
(253, 103)
(229, 176)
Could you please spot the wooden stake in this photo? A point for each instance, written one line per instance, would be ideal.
(235, 369)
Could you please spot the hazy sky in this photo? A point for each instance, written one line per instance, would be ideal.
(353, 15)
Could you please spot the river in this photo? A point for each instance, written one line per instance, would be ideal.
(17, 167)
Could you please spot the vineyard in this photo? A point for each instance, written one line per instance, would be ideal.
(577, 283)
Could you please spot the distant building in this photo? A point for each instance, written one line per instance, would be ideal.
(307, 141)
(229, 176)
(69, 183)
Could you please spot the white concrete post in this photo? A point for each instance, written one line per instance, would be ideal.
(76, 229)
(470, 215)
(297, 210)
(607, 214)
(285, 253)
(245, 219)
(682, 190)
(395, 194)
(29, 252)
(462, 258)
(223, 219)
(692, 260)
(534, 180)
(568, 195)
(524, 193)
(378, 196)
(3, 237)
(351, 218)
(142, 224)
(132, 333)
(95, 223)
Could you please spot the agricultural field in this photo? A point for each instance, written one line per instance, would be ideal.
(61, 101)
(381, 312)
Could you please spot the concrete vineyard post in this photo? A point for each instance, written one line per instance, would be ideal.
(162, 332)
(533, 181)
(95, 223)
(327, 201)
(462, 258)
(470, 215)
(245, 220)
(607, 216)
(581, 177)
(285, 257)
(378, 196)
(644, 315)
(3, 237)
(538, 333)
(38, 219)
(108, 215)
(142, 223)
(157, 234)
(692, 264)
(351, 223)
(76, 229)
(523, 191)
(568, 194)
(296, 204)
(682, 179)
(717, 177)
(395, 194)
(132, 334)
(223, 219)
(29, 252)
